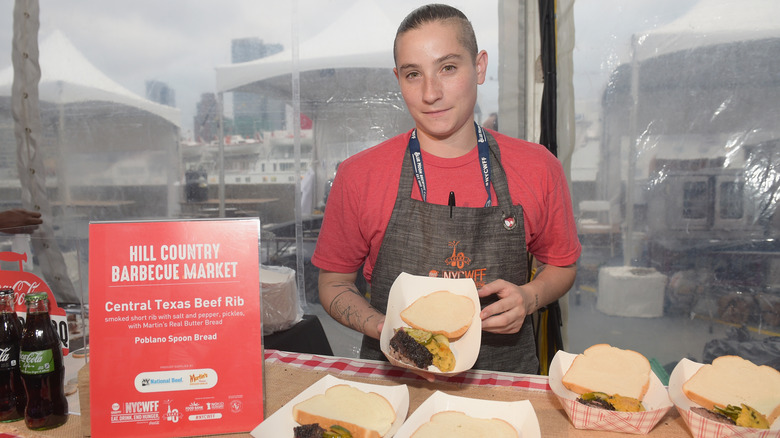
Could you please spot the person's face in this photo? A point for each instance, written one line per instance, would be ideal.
(438, 79)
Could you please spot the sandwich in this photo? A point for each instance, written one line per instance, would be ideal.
(345, 408)
(455, 424)
(441, 313)
(736, 391)
(610, 378)
(433, 320)
(314, 430)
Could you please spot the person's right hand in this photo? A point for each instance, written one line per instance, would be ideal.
(19, 221)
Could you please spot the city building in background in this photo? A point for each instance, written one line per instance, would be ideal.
(161, 93)
(254, 113)
(206, 121)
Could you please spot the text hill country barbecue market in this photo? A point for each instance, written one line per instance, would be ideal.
(140, 269)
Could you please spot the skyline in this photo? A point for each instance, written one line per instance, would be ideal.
(180, 45)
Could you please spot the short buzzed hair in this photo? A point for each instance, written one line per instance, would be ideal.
(444, 13)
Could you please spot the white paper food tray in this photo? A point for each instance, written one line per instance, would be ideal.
(656, 403)
(700, 426)
(281, 423)
(405, 290)
(520, 414)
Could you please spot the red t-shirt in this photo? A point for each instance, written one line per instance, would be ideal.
(364, 190)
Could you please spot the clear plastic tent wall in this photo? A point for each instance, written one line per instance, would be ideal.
(245, 108)
(676, 177)
(150, 121)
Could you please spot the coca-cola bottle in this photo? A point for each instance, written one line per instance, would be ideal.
(12, 396)
(42, 368)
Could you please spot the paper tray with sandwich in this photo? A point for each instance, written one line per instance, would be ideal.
(432, 324)
(590, 385)
(446, 415)
(730, 386)
(365, 410)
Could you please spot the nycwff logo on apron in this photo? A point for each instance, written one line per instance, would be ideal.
(459, 260)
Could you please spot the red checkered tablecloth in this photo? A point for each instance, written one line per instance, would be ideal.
(378, 369)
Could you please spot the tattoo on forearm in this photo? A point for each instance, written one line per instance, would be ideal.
(346, 313)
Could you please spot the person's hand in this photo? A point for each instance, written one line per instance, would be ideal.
(19, 221)
(506, 315)
(379, 328)
(424, 374)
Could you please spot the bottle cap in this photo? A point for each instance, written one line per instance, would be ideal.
(37, 296)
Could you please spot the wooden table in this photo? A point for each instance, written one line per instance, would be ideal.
(287, 374)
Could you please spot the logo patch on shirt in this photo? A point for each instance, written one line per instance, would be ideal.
(510, 223)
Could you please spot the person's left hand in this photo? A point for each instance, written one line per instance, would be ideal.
(506, 315)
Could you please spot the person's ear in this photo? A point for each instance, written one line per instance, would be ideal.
(482, 60)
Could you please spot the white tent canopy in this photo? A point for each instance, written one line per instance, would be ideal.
(712, 22)
(346, 84)
(68, 77)
(368, 44)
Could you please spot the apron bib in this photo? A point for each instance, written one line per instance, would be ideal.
(480, 243)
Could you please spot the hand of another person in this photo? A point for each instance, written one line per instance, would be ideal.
(506, 315)
(19, 221)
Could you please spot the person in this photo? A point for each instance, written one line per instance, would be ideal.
(389, 209)
(491, 122)
(19, 221)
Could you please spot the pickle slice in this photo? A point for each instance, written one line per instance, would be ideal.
(594, 395)
(421, 336)
(442, 340)
(730, 411)
(337, 431)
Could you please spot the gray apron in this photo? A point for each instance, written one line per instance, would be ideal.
(422, 239)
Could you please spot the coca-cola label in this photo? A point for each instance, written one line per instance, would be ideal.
(9, 357)
(36, 362)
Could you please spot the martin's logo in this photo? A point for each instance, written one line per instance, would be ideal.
(199, 379)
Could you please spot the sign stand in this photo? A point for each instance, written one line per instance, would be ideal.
(175, 328)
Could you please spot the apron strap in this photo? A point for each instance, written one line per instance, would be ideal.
(497, 180)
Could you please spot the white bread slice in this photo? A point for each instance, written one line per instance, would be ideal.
(608, 369)
(454, 424)
(441, 312)
(732, 380)
(364, 414)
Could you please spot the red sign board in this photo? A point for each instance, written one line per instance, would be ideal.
(175, 336)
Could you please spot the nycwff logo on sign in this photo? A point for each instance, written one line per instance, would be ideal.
(459, 261)
(136, 412)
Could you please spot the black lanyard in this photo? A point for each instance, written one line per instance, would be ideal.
(484, 162)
